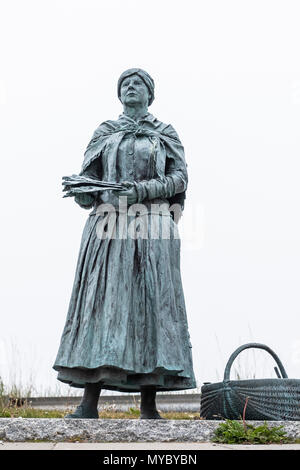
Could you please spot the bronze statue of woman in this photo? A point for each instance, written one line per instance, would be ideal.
(126, 327)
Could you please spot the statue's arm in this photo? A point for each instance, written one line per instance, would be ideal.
(173, 182)
(86, 201)
(93, 169)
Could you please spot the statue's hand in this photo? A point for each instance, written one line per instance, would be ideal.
(128, 184)
(130, 193)
(84, 199)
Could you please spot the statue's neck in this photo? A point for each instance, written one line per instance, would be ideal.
(135, 112)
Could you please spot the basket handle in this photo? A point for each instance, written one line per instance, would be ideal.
(253, 345)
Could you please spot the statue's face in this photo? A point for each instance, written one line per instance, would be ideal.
(134, 91)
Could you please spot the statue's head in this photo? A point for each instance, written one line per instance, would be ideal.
(136, 86)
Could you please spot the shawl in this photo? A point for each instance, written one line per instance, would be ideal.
(108, 136)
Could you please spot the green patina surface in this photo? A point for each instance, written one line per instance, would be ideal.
(126, 325)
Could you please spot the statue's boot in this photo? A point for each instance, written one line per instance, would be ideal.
(83, 412)
(88, 406)
(148, 404)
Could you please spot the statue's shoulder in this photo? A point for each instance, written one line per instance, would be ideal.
(166, 129)
(106, 127)
(161, 127)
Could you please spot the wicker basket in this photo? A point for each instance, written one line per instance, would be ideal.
(268, 399)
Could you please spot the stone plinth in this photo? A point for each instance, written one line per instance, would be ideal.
(118, 430)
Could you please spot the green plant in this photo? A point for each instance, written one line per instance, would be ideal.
(236, 432)
(2, 393)
(134, 412)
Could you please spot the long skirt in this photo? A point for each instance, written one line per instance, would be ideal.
(126, 325)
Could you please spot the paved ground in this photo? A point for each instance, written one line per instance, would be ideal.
(140, 446)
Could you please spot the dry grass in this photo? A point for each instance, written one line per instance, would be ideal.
(133, 413)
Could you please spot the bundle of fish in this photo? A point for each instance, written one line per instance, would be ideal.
(76, 184)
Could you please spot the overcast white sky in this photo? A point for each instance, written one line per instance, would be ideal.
(227, 77)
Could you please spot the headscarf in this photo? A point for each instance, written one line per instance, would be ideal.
(149, 82)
